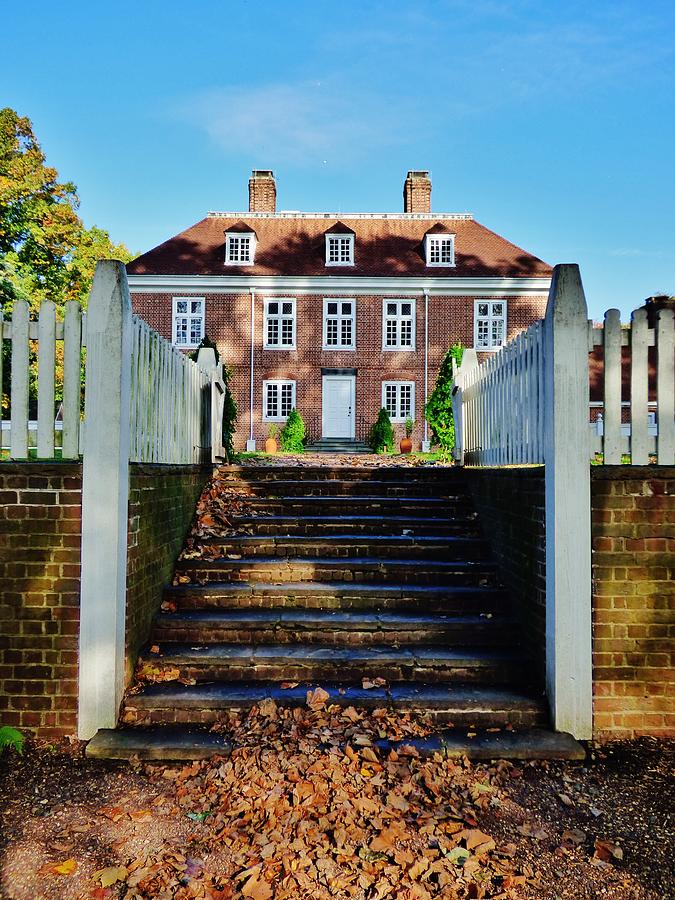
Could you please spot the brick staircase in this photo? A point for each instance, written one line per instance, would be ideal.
(328, 576)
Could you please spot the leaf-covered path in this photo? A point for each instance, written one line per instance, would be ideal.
(308, 807)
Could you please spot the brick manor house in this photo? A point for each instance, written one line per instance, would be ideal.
(337, 314)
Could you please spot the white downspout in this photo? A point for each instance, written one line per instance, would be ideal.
(426, 444)
(250, 443)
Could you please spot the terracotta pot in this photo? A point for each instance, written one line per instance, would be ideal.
(271, 445)
(406, 445)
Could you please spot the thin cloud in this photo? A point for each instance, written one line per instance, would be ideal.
(307, 123)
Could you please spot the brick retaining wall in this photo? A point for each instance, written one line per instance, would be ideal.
(634, 601)
(40, 525)
(510, 505)
(162, 502)
(40, 534)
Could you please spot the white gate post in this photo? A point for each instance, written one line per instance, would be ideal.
(105, 500)
(568, 505)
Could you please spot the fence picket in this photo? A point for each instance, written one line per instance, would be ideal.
(665, 387)
(72, 379)
(19, 381)
(639, 385)
(46, 363)
(612, 387)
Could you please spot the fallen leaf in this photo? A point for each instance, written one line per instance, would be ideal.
(316, 699)
(112, 875)
(67, 867)
(566, 799)
(607, 851)
(257, 890)
(140, 815)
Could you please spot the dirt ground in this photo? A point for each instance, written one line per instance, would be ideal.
(308, 807)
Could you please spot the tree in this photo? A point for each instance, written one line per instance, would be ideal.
(45, 249)
(438, 410)
(381, 437)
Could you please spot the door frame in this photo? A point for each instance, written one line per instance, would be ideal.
(331, 377)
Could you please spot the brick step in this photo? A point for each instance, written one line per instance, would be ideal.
(182, 742)
(460, 600)
(337, 627)
(414, 526)
(312, 662)
(418, 474)
(461, 704)
(363, 569)
(282, 487)
(428, 507)
(345, 545)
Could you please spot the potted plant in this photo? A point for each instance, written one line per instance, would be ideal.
(406, 442)
(271, 442)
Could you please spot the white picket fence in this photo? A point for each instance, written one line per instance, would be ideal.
(170, 397)
(499, 405)
(45, 433)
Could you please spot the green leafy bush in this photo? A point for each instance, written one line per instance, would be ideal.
(381, 437)
(292, 436)
(229, 414)
(10, 737)
(438, 410)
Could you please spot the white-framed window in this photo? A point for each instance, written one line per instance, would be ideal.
(339, 249)
(440, 249)
(489, 324)
(279, 323)
(240, 248)
(398, 324)
(278, 400)
(187, 321)
(339, 324)
(398, 398)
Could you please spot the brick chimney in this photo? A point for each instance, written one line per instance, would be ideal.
(417, 193)
(262, 191)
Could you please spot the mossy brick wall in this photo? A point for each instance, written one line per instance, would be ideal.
(510, 507)
(40, 526)
(162, 502)
(633, 601)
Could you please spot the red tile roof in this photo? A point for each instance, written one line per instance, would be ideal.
(295, 245)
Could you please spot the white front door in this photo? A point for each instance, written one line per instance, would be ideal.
(338, 406)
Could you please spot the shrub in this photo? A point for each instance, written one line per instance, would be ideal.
(438, 410)
(292, 436)
(409, 427)
(229, 414)
(10, 737)
(381, 437)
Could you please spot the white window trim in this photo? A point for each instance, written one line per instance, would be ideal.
(398, 348)
(175, 314)
(280, 300)
(398, 385)
(336, 234)
(428, 238)
(336, 347)
(279, 382)
(492, 348)
(239, 234)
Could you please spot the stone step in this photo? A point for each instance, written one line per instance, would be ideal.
(295, 487)
(329, 627)
(315, 662)
(460, 704)
(183, 743)
(425, 547)
(434, 472)
(371, 504)
(362, 569)
(413, 526)
(458, 600)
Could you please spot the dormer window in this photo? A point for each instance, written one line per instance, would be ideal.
(439, 249)
(239, 247)
(339, 245)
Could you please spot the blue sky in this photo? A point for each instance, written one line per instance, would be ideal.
(553, 123)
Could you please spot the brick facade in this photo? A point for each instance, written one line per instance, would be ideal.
(228, 316)
(162, 502)
(40, 525)
(40, 536)
(634, 601)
